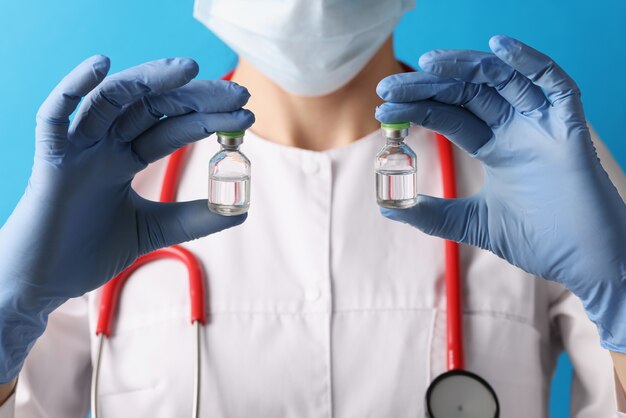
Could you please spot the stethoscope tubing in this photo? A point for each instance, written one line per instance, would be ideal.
(454, 316)
(108, 309)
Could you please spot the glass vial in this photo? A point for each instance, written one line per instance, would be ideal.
(229, 176)
(396, 169)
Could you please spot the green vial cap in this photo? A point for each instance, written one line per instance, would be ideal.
(396, 125)
(231, 134)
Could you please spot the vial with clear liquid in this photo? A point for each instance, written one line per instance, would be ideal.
(229, 176)
(396, 169)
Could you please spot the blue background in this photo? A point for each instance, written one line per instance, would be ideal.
(40, 41)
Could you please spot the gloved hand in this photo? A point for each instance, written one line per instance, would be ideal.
(547, 205)
(79, 222)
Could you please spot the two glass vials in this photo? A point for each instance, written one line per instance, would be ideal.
(395, 167)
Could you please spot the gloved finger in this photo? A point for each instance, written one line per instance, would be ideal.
(539, 68)
(203, 96)
(166, 224)
(103, 105)
(481, 100)
(455, 123)
(53, 115)
(451, 219)
(484, 68)
(171, 134)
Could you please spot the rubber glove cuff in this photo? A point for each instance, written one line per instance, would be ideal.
(611, 325)
(22, 321)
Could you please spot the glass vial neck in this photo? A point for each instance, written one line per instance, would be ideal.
(228, 142)
(395, 134)
(397, 131)
(395, 141)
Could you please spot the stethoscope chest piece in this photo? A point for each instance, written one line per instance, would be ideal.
(461, 394)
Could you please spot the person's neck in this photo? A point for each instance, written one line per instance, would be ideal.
(317, 123)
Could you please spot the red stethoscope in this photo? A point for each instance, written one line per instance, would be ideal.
(457, 393)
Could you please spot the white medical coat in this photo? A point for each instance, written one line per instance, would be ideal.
(319, 307)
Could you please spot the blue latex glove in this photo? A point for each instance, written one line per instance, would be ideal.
(547, 205)
(79, 222)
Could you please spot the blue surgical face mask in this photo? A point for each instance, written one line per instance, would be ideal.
(307, 47)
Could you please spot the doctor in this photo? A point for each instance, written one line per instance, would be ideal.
(318, 306)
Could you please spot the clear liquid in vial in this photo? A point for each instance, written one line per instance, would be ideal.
(229, 195)
(396, 189)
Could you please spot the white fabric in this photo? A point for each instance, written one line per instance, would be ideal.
(308, 47)
(7, 408)
(319, 307)
(621, 396)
